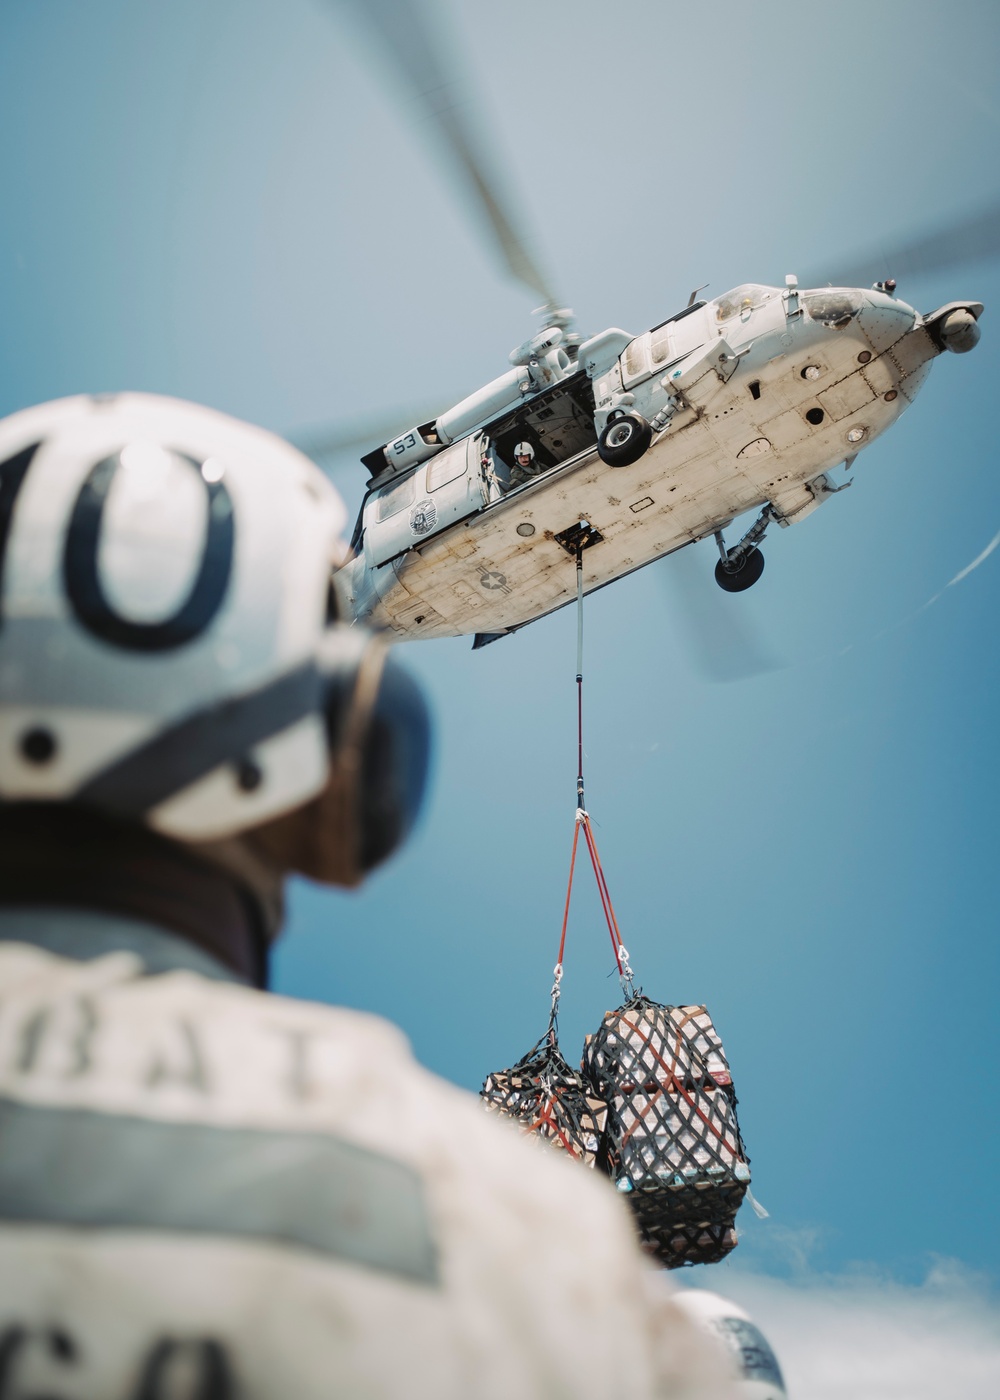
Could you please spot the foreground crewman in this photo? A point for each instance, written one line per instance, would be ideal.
(208, 1192)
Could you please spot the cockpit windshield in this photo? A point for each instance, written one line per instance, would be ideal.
(741, 300)
(835, 308)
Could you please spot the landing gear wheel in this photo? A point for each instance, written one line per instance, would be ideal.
(736, 580)
(624, 440)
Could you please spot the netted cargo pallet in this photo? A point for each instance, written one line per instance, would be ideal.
(549, 1100)
(673, 1140)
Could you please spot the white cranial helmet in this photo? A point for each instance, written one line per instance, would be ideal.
(752, 1363)
(524, 449)
(168, 647)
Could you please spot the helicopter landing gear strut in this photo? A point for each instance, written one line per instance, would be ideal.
(739, 568)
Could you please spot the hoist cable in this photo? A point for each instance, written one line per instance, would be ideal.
(583, 819)
(581, 804)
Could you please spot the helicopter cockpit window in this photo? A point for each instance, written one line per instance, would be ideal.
(741, 301)
(834, 309)
(393, 499)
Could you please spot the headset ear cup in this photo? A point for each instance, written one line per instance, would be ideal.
(394, 761)
(323, 839)
(379, 732)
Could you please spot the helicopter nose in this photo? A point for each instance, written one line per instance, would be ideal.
(886, 302)
(884, 318)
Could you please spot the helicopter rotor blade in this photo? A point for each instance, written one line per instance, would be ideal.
(403, 32)
(348, 435)
(972, 238)
(715, 629)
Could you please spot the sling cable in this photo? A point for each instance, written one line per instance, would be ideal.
(584, 535)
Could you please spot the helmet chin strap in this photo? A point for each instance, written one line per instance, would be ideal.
(323, 839)
(237, 857)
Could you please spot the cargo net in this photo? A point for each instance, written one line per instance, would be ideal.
(549, 1100)
(673, 1142)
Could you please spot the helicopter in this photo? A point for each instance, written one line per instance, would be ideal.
(641, 445)
(611, 451)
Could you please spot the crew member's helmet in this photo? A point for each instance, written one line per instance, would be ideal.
(170, 648)
(525, 449)
(752, 1364)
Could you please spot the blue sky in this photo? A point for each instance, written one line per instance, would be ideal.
(235, 203)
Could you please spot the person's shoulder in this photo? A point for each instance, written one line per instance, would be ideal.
(359, 1066)
(180, 1043)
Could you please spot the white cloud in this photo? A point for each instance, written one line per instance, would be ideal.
(865, 1337)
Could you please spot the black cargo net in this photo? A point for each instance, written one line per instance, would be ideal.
(673, 1144)
(551, 1100)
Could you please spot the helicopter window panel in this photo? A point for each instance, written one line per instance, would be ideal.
(446, 467)
(659, 349)
(673, 339)
(635, 357)
(833, 309)
(393, 499)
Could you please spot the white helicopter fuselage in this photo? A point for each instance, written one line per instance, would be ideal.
(753, 399)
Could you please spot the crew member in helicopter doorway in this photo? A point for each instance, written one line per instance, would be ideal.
(207, 1191)
(526, 466)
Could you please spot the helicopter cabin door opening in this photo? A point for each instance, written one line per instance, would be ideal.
(480, 470)
(434, 495)
(557, 424)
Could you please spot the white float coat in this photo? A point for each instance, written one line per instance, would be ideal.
(213, 1192)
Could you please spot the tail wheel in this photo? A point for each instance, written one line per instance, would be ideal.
(745, 575)
(624, 440)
